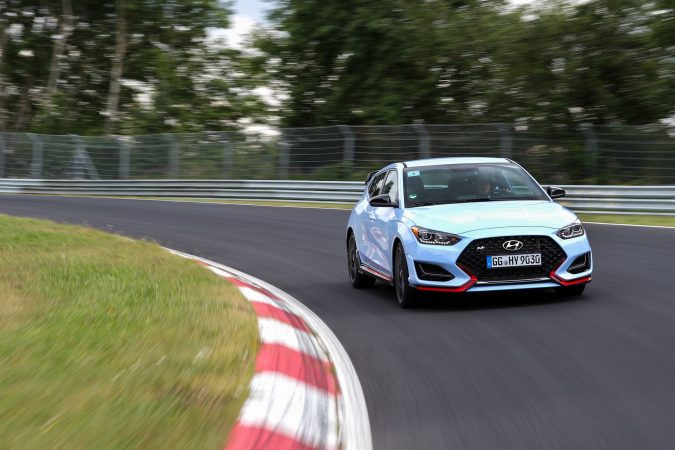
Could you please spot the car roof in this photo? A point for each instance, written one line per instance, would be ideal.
(455, 160)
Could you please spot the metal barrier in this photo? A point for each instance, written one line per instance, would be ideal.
(592, 199)
(658, 200)
(315, 191)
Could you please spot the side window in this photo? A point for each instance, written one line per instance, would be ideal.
(376, 185)
(391, 185)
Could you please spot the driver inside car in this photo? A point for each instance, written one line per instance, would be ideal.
(485, 189)
(486, 185)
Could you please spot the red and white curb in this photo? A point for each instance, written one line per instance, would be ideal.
(305, 394)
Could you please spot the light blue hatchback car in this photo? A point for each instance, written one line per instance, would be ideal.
(464, 225)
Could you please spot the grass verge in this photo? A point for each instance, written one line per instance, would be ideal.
(107, 342)
(664, 221)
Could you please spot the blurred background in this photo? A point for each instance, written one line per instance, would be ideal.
(580, 92)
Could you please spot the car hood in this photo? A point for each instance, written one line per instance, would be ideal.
(464, 217)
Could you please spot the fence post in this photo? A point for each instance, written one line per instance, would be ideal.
(36, 165)
(590, 151)
(227, 155)
(348, 145)
(78, 162)
(82, 161)
(425, 140)
(173, 155)
(284, 156)
(505, 140)
(2, 155)
(123, 157)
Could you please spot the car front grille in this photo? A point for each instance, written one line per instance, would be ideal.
(474, 258)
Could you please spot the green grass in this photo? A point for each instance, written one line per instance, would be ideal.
(665, 221)
(107, 342)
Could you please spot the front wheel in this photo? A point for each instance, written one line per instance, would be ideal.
(356, 277)
(406, 295)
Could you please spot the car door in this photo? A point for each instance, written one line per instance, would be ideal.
(364, 215)
(382, 224)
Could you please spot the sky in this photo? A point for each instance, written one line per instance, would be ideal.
(251, 9)
(245, 15)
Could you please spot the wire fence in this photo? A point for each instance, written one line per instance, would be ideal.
(589, 155)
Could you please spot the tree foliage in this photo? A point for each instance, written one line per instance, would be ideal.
(396, 61)
(171, 76)
(147, 66)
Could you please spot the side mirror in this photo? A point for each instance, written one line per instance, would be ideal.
(555, 192)
(383, 201)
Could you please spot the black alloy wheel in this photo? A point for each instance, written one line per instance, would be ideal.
(405, 294)
(356, 276)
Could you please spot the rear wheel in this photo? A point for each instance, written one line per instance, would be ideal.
(356, 276)
(571, 291)
(406, 295)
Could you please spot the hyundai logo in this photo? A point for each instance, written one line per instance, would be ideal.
(512, 246)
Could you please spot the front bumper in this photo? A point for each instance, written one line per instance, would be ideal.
(466, 262)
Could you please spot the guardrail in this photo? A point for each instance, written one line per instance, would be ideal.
(658, 200)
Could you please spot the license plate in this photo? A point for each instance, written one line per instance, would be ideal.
(501, 261)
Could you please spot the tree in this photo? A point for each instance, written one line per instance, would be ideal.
(60, 40)
(117, 67)
(612, 69)
(4, 37)
(114, 66)
(397, 61)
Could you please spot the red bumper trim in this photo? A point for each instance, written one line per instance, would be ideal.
(564, 282)
(463, 288)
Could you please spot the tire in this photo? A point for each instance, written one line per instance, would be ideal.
(356, 276)
(406, 295)
(571, 291)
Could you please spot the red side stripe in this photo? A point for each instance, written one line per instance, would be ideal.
(256, 438)
(272, 312)
(297, 365)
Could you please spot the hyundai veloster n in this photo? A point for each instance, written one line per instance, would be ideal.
(464, 225)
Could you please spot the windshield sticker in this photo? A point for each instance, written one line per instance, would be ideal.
(414, 173)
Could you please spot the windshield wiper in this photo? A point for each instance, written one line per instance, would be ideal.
(425, 203)
(472, 200)
(430, 203)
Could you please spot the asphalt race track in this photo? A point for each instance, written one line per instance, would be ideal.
(516, 371)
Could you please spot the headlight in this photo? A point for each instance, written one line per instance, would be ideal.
(434, 237)
(571, 231)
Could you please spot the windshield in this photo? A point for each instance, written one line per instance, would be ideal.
(463, 183)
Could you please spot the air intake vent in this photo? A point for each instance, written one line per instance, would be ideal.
(432, 272)
(581, 264)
